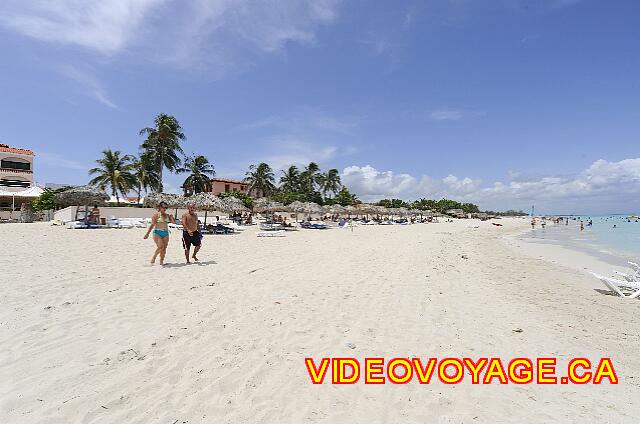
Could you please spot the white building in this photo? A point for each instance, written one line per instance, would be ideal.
(16, 180)
(16, 168)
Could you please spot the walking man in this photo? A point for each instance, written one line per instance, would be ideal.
(190, 233)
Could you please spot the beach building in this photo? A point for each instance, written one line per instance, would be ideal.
(16, 180)
(224, 185)
(16, 168)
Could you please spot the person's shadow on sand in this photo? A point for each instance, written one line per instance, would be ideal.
(201, 263)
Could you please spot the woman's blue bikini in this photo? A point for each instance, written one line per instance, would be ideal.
(161, 233)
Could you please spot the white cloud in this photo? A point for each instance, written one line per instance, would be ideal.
(446, 115)
(59, 161)
(196, 28)
(101, 25)
(284, 152)
(89, 84)
(210, 38)
(305, 120)
(603, 187)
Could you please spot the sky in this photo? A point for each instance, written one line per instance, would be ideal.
(504, 103)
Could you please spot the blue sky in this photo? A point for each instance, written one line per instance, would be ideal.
(505, 103)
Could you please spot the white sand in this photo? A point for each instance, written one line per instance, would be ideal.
(90, 333)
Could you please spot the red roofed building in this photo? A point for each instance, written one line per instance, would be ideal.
(16, 168)
(223, 185)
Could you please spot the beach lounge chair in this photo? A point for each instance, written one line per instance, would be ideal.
(634, 276)
(314, 226)
(616, 286)
(270, 226)
(276, 233)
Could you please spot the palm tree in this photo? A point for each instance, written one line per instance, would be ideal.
(260, 177)
(310, 177)
(290, 179)
(114, 171)
(331, 182)
(146, 174)
(163, 143)
(199, 170)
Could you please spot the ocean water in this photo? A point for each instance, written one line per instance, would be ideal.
(613, 244)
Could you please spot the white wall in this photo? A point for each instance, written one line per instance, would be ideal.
(68, 214)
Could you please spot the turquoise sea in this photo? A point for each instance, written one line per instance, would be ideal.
(614, 238)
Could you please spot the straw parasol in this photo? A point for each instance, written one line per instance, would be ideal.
(311, 208)
(173, 201)
(81, 196)
(206, 202)
(265, 205)
(336, 209)
(304, 207)
(351, 210)
(296, 207)
(402, 211)
(233, 204)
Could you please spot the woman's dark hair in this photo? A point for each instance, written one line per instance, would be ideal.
(163, 205)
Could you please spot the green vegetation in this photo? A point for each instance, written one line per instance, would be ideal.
(199, 170)
(260, 179)
(47, 201)
(247, 200)
(161, 149)
(443, 205)
(146, 174)
(114, 171)
(308, 185)
(162, 144)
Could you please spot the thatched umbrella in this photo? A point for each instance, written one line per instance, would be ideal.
(312, 208)
(173, 201)
(233, 204)
(304, 207)
(336, 209)
(206, 202)
(81, 196)
(263, 205)
(350, 210)
(296, 207)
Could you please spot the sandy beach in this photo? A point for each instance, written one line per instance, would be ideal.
(90, 333)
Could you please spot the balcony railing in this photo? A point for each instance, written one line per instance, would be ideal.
(18, 171)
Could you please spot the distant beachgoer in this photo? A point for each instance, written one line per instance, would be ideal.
(94, 216)
(190, 233)
(614, 226)
(533, 223)
(160, 226)
(581, 225)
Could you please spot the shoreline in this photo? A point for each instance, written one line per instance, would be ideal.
(556, 252)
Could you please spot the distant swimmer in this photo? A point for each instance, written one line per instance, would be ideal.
(614, 226)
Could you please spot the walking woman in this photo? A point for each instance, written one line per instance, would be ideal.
(160, 226)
